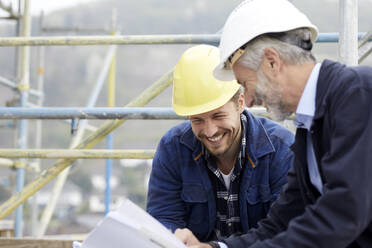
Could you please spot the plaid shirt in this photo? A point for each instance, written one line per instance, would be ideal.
(227, 201)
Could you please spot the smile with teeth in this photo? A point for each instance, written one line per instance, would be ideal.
(216, 138)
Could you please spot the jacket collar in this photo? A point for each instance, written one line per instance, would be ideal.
(258, 142)
(328, 71)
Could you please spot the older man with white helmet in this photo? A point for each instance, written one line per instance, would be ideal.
(266, 45)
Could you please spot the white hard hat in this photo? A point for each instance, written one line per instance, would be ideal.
(253, 18)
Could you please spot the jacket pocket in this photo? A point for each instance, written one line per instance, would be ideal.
(258, 193)
(258, 203)
(193, 193)
(196, 201)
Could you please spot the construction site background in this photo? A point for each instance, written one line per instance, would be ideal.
(70, 73)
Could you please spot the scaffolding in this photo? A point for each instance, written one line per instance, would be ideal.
(351, 53)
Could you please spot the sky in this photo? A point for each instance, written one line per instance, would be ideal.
(50, 5)
(47, 5)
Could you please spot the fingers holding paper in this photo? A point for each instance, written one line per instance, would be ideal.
(186, 236)
(200, 245)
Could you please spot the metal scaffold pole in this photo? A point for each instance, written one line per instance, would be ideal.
(364, 47)
(38, 128)
(46, 176)
(77, 153)
(58, 185)
(7, 163)
(23, 87)
(110, 136)
(8, 83)
(9, 9)
(128, 113)
(213, 39)
(348, 43)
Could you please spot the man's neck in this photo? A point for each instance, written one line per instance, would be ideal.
(227, 161)
(226, 166)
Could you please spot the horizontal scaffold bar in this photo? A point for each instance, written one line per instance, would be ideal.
(109, 40)
(88, 142)
(128, 113)
(77, 153)
(6, 162)
(14, 86)
(131, 40)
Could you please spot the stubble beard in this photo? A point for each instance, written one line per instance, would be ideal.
(270, 93)
(229, 146)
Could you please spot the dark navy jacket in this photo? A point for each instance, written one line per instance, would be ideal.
(180, 192)
(342, 138)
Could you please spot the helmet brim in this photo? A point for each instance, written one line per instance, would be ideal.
(223, 74)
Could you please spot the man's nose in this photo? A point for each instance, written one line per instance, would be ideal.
(210, 128)
(249, 100)
(258, 102)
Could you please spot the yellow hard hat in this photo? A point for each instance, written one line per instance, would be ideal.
(195, 90)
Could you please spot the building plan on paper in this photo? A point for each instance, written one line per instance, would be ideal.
(130, 226)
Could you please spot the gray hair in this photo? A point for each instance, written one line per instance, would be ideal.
(293, 46)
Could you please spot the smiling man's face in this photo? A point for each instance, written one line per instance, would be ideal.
(220, 129)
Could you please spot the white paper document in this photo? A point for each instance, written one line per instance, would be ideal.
(130, 226)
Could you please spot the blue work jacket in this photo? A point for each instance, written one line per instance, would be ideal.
(180, 192)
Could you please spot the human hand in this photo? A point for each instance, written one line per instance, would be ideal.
(187, 237)
(201, 245)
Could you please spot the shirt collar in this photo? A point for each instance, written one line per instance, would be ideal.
(306, 106)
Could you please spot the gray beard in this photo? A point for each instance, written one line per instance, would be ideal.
(267, 92)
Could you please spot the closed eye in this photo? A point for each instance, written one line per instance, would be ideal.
(219, 116)
(196, 121)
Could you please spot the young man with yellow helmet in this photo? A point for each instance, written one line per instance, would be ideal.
(217, 173)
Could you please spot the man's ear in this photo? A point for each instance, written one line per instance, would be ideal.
(271, 63)
(241, 103)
